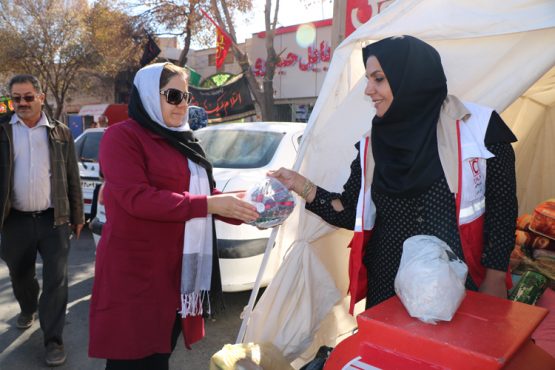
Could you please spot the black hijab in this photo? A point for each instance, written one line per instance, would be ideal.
(183, 141)
(404, 140)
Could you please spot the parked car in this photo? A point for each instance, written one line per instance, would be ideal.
(241, 154)
(86, 147)
(98, 219)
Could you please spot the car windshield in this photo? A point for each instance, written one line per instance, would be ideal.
(239, 148)
(87, 146)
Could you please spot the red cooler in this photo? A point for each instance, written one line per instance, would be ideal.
(485, 333)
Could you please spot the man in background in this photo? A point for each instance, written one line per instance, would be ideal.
(102, 121)
(40, 204)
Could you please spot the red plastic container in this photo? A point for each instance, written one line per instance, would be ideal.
(485, 333)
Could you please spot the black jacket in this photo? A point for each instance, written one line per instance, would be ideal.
(67, 198)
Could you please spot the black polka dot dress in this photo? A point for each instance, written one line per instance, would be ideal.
(432, 212)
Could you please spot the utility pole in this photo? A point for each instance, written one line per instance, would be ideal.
(338, 26)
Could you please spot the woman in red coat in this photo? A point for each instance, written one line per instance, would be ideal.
(156, 262)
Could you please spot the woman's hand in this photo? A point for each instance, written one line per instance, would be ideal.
(232, 206)
(296, 182)
(77, 230)
(291, 179)
(494, 283)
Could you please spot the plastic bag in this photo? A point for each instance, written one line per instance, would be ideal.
(430, 280)
(273, 201)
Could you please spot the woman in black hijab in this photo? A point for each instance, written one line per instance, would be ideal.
(429, 153)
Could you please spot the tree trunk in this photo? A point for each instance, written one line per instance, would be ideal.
(256, 91)
(268, 113)
(271, 61)
(187, 42)
(59, 108)
(48, 108)
(263, 95)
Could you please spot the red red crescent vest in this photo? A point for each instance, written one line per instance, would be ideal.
(470, 199)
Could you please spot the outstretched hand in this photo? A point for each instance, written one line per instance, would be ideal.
(232, 206)
(287, 177)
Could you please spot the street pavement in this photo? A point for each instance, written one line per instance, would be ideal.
(24, 350)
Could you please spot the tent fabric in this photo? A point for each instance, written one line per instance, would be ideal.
(532, 119)
(491, 51)
(300, 268)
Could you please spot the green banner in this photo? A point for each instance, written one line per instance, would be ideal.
(194, 77)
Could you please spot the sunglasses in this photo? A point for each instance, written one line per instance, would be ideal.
(175, 97)
(27, 98)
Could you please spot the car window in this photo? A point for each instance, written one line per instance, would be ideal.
(239, 148)
(87, 146)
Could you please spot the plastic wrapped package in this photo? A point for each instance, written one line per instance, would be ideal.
(249, 356)
(273, 201)
(430, 280)
(543, 221)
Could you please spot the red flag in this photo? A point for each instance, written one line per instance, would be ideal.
(223, 42)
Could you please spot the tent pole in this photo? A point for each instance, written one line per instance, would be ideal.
(248, 311)
(254, 293)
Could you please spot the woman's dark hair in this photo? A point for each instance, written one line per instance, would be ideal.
(171, 70)
(21, 79)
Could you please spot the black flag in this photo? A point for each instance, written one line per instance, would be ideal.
(151, 51)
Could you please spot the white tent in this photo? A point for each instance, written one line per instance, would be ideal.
(492, 52)
(532, 119)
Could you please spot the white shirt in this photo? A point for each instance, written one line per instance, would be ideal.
(31, 190)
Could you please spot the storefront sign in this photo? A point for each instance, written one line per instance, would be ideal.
(304, 57)
(309, 63)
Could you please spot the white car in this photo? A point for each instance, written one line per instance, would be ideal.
(86, 147)
(241, 154)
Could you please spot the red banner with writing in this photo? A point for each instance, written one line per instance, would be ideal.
(223, 43)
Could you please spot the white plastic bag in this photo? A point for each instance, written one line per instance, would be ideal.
(430, 280)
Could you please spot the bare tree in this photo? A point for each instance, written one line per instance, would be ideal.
(178, 17)
(182, 18)
(263, 95)
(117, 37)
(58, 41)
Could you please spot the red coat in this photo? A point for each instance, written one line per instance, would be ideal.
(136, 290)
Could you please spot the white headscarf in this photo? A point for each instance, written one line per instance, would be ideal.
(147, 82)
(196, 270)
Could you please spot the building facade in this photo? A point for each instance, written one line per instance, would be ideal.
(305, 53)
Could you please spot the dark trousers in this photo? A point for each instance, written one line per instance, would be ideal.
(23, 235)
(158, 361)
